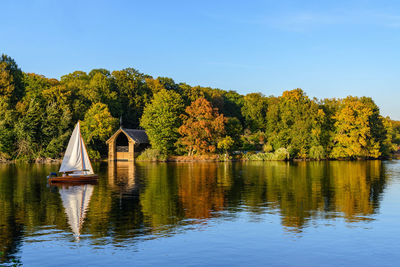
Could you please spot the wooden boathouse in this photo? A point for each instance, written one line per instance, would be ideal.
(125, 143)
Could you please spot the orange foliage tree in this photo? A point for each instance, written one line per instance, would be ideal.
(202, 127)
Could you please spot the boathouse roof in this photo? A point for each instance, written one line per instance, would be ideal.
(138, 136)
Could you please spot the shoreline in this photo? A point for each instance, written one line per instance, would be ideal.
(204, 158)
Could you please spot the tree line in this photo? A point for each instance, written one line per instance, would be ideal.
(37, 115)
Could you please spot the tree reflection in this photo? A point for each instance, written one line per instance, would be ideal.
(356, 188)
(306, 190)
(11, 230)
(25, 204)
(200, 190)
(158, 198)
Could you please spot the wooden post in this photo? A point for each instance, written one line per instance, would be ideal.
(111, 150)
(131, 153)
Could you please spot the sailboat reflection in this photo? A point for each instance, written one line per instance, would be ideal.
(75, 199)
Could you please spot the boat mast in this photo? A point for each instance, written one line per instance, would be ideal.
(80, 139)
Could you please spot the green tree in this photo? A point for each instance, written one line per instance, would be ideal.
(102, 89)
(103, 72)
(133, 95)
(234, 130)
(7, 134)
(168, 84)
(11, 85)
(295, 122)
(56, 130)
(28, 132)
(161, 120)
(154, 85)
(233, 103)
(97, 127)
(77, 86)
(190, 94)
(35, 85)
(396, 132)
(254, 111)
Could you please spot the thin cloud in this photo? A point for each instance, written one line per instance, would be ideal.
(312, 20)
(233, 65)
(302, 21)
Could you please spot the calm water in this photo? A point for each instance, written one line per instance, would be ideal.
(196, 214)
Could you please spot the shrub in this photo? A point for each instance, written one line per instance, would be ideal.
(317, 152)
(251, 156)
(152, 154)
(93, 154)
(292, 151)
(281, 154)
(224, 157)
(267, 148)
(258, 156)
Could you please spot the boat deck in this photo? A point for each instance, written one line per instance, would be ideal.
(74, 179)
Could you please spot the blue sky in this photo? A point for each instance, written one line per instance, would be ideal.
(327, 48)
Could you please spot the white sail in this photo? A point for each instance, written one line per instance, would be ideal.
(76, 158)
(76, 200)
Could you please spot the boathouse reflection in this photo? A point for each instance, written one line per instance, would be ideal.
(121, 175)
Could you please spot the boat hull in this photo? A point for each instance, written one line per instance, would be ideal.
(74, 179)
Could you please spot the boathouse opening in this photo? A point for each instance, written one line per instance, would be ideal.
(122, 143)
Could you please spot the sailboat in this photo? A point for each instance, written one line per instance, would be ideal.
(75, 200)
(76, 166)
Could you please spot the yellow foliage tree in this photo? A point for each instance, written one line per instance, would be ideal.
(353, 136)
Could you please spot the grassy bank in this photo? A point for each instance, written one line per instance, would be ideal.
(281, 154)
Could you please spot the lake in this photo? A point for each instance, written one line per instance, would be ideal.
(334, 213)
